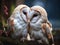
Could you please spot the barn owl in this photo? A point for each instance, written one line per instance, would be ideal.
(18, 21)
(38, 20)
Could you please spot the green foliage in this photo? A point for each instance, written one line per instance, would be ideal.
(12, 8)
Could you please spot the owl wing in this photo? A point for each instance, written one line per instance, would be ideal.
(48, 30)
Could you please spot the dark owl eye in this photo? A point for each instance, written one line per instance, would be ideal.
(24, 12)
(35, 15)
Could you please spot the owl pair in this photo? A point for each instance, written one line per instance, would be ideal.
(30, 23)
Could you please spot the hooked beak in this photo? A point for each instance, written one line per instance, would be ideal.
(28, 19)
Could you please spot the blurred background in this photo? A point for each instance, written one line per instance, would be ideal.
(52, 7)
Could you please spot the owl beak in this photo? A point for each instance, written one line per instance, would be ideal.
(28, 19)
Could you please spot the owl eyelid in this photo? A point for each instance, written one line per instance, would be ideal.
(38, 12)
(24, 12)
(35, 15)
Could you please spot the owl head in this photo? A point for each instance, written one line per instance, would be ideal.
(38, 13)
(22, 12)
